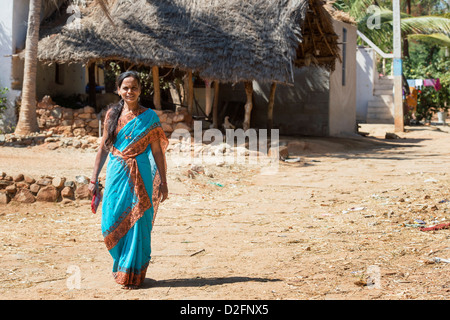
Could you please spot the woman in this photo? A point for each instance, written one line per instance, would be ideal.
(135, 181)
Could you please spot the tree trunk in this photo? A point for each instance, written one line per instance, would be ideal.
(27, 117)
(248, 105)
(270, 106)
(216, 105)
(156, 88)
(92, 85)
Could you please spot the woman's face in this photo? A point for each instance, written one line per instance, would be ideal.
(129, 90)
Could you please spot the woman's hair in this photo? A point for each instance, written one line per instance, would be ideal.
(115, 110)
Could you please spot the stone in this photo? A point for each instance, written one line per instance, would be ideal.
(52, 146)
(82, 192)
(182, 126)
(79, 132)
(58, 182)
(88, 109)
(84, 116)
(4, 198)
(82, 179)
(29, 180)
(34, 188)
(18, 177)
(67, 193)
(93, 123)
(47, 194)
(166, 127)
(69, 183)
(22, 185)
(11, 189)
(24, 196)
(78, 123)
(44, 182)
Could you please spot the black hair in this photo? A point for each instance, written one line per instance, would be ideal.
(115, 110)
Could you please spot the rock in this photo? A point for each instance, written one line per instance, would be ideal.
(58, 182)
(88, 109)
(52, 146)
(93, 124)
(69, 184)
(184, 126)
(82, 192)
(11, 189)
(24, 196)
(76, 143)
(283, 152)
(34, 188)
(5, 183)
(67, 193)
(79, 132)
(166, 127)
(22, 185)
(18, 177)
(44, 182)
(82, 179)
(29, 180)
(48, 194)
(4, 198)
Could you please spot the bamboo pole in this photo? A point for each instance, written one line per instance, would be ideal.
(248, 105)
(270, 106)
(156, 88)
(216, 105)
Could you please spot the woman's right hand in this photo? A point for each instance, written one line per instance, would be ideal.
(93, 188)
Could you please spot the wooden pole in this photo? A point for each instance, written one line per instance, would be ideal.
(190, 91)
(248, 105)
(270, 106)
(208, 97)
(156, 88)
(216, 105)
(92, 85)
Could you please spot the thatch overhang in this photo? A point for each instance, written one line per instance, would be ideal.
(228, 41)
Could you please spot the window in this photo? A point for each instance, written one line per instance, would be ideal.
(344, 55)
(59, 73)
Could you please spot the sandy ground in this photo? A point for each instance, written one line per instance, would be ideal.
(340, 224)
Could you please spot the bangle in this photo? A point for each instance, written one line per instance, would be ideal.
(94, 182)
(162, 183)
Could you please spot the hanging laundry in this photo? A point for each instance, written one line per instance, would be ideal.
(435, 83)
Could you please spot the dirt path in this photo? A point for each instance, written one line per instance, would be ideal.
(340, 224)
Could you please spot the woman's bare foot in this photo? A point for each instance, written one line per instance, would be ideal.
(130, 287)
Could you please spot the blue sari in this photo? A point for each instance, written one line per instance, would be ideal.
(130, 199)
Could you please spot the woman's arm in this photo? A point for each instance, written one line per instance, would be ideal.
(160, 164)
(100, 159)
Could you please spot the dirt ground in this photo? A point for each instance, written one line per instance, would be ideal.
(340, 224)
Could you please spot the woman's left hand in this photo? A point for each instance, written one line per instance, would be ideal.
(163, 191)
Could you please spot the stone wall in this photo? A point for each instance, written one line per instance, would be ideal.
(85, 122)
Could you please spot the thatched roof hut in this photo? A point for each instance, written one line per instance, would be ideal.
(228, 41)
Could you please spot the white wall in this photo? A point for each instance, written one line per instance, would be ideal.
(11, 26)
(365, 77)
(342, 115)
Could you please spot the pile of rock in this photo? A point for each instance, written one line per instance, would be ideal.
(171, 121)
(26, 189)
(66, 121)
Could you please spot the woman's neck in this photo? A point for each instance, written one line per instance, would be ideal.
(131, 107)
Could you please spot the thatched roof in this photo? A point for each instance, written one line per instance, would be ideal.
(225, 40)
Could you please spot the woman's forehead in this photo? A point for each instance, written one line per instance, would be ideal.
(129, 81)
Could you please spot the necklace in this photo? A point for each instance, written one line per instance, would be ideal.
(128, 136)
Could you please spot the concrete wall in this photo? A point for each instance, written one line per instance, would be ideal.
(73, 76)
(366, 74)
(342, 115)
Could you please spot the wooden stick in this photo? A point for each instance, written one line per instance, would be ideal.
(216, 105)
(208, 97)
(248, 105)
(156, 88)
(270, 106)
